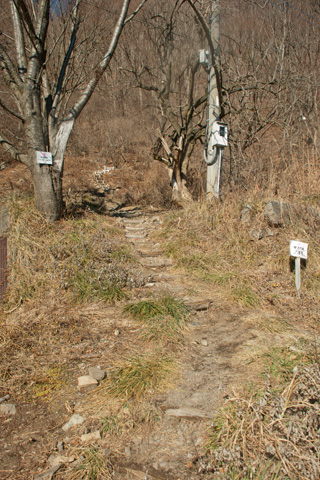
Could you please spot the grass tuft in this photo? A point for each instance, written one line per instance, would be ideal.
(86, 286)
(246, 296)
(92, 466)
(164, 318)
(140, 375)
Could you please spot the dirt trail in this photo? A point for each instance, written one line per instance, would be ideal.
(220, 340)
(209, 370)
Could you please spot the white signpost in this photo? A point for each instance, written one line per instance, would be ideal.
(44, 158)
(298, 250)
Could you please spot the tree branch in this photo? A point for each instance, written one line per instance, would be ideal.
(38, 37)
(19, 39)
(64, 66)
(11, 149)
(135, 12)
(12, 112)
(24, 15)
(100, 69)
(10, 73)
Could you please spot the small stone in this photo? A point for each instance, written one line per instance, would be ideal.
(204, 342)
(127, 451)
(8, 409)
(277, 214)
(4, 399)
(117, 333)
(138, 475)
(76, 419)
(97, 373)
(48, 474)
(88, 437)
(60, 446)
(258, 234)
(55, 460)
(245, 214)
(164, 466)
(86, 380)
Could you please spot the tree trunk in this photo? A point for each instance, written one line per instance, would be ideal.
(47, 190)
(180, 192)
(47, 179)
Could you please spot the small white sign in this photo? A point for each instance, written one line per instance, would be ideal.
(298, 249)
(45, 158)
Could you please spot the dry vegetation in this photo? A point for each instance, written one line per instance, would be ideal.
(85, 259)
(266, 431)
(62, 278)
(72, 281)
(211, 243)
(271, 433)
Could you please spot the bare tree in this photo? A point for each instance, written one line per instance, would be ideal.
(168, 71)
(270, 53)
(269, 93)
(45, 59)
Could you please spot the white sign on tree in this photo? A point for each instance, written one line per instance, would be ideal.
(44, 158)
(298, 250)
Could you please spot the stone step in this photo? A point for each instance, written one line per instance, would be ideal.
(129, 215)
(172, 289)
(187, 412)
(198, 304)
(133, 221)
(156, 263)
(133, 474)
(160, 277)
(136, 236)
(137, 242)
(150, 253)
(135, 228)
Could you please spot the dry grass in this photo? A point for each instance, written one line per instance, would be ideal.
(85, 258)
(92, 465)
(164, 318)
(140, 376)
(41, 342)
(213, 246)
(273, 433)
(53, 268)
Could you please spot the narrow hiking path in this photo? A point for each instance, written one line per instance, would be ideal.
(219, 340)
(215, 357)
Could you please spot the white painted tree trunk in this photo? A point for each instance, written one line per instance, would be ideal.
(47, 191)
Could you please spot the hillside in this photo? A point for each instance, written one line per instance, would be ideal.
(147, 333)
(209, 356)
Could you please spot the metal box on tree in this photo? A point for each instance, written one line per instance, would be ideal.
(219, 135)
